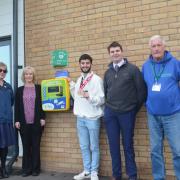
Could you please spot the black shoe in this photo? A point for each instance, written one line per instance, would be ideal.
(4, 173)
(35, 174)
(25, 174)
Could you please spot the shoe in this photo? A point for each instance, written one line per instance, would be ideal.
(35, 174)
(4, 173)
(25, 174)
(83, 175)
(94, 176)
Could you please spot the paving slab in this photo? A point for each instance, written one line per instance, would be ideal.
(16, 175)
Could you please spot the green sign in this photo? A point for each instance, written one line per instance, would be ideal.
(59, 58)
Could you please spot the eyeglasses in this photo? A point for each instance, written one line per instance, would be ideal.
(4, 71)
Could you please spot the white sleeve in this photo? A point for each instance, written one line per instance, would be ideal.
(72, 88)
(97, 95)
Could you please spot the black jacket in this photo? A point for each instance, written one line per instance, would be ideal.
(125, 90)
(19, 109)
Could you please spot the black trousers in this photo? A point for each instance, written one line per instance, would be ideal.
(3, 155)
(31, 138)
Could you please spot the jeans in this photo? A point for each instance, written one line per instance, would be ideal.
(168, 126)
(88, 133)
(121, 123)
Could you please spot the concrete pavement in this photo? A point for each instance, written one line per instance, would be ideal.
(45, 176)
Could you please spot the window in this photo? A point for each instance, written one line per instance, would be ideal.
(5, 56)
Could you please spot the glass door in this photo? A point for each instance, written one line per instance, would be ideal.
(5, 56)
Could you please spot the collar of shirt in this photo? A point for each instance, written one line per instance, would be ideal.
(119, 64)
(89, 74)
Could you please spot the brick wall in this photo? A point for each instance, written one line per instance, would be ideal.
(86, 26)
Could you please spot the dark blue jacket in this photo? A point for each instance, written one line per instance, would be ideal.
(167, 100)
(6, 102)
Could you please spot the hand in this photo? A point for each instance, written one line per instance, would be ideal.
(42, 122)
(86, 94)
(80, 92)
(68, 79)
(17, 125)
(83, 94)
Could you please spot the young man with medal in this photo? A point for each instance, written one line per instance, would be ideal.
(161, 73)
(125, 92)
(88, 97)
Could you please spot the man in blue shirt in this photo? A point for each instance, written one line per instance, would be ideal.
(161, 73)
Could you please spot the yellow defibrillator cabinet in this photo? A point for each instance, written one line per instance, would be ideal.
(55, 94)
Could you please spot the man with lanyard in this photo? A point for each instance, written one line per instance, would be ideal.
(125, 92)
(161, 73)
(88, 97)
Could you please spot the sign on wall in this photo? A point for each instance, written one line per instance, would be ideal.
(59, 58)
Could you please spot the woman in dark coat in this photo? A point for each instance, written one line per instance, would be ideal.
(30, 120)
(7, 135)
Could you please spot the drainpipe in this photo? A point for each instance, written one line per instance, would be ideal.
(15, 43)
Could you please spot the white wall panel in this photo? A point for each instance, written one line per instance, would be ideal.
(6, 17)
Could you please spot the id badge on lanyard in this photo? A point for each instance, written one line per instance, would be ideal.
(156, 86)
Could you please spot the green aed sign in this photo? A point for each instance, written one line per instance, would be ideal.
(59, 58)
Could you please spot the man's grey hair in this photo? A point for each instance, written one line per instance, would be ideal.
(157, 37)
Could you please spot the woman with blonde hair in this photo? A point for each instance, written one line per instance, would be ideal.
(30, 120)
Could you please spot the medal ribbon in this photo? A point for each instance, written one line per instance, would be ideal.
(84, 82)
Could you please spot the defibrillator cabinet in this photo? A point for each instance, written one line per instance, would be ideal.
(55, 94)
